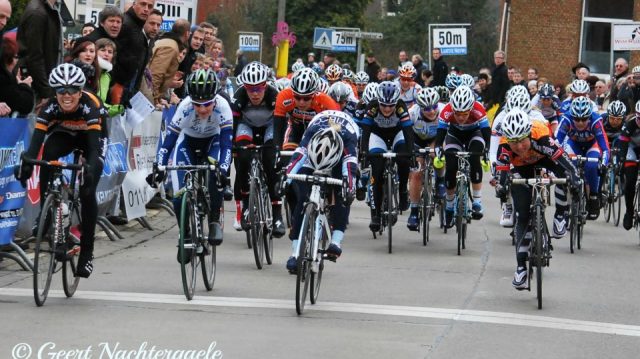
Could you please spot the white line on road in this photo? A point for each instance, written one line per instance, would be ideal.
(385, 310)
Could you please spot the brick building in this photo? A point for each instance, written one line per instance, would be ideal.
(554, 35)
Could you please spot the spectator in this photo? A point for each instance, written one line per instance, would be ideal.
(15, 92)
(511, 70)
(391, 75)
(40, 45)
(532, 74)
(210, 38)
(560, 91)
(620, 70)
(532, 85)
(195, 43)
(329, 59)
(134, 52)
(217, 53)
(499, 80)
(5, 14)
(311, 60)
(241, 62)
(402, 58)
(165, 60)
(420, 66)
(87, 29)
(581, 71)
(84, 56)
(483, 87)
(630, 91)
(426, 76)
(106, 53)
(440, 68)
(602, 95)
(110, 20)
(372, 67)
(151, 29)
(517, 78)
(382, 74)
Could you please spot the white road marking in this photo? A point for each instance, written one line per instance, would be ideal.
(475, 316)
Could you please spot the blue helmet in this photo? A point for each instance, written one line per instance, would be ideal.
(452, 81)
(581, 107)
(388, 93)
(546, 91)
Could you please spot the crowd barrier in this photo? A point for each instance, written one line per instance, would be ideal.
(129, 158)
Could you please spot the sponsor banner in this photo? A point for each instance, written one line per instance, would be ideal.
(115, 168)
(14, 140)
(626, 37)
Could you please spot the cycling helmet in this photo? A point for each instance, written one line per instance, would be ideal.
(617, 109)
(333, 73)
(255, 73)
(347, 75)
(517, 90)
(427, 97)
(407, 70)
(339, 91)
(297, 66)
(452, 81)
(325, 149)
(462, 99)
(239, 81)
(203, 85)
(323, 85)
(546, 91)
(516, 125)
(520, 101)
(635, 70)
(361, 78)
(282, 83)
(638, 107)
(388, 93)
(581, 107)
(304, 82)
(443, 91)
(370, 92)
(467, 80)
(580, 86)
(67, 75)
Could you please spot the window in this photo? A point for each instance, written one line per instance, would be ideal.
(595, 47)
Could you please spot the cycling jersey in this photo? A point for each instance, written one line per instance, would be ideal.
(613, 133)
(496, 130)
(375, 118)
(477, 118)
(254, 115)
(630, 131)
(422, 127)
(592, 134)
(542, 146)
(89, 115)
(409, 96)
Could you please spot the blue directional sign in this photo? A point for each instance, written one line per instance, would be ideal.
(322, 38)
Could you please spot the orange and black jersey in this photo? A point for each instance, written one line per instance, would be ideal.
(88, 117)
(542, 146)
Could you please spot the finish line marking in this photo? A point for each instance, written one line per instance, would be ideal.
(473, 316)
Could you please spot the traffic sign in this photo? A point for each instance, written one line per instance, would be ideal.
(451, 41)
(364, 35)
(322, 38)
(343, 42)
(249, 42)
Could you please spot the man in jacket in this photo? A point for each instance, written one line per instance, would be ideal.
(372, 67)
(440, 68)
(133, 54)
(164, 60)
(499, 80)
(110, 25)
(40, 44)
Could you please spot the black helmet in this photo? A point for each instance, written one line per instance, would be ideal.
(203, 85)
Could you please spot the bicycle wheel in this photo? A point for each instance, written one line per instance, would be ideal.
(208, 255)
(256, 222)
(186, 248)
(538, 256)
(304, 258)
(581, 222)
(44, 261)
(69, 280)
(460, 220)
(390, 208)
(607, 194)
(318, 265)
(619, 195)
(267, 214)
(427, 205)
(573, 225)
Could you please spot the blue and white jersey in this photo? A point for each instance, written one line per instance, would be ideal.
(409, 96)
(185, 119)
(422, 127)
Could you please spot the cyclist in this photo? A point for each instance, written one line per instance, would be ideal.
(613, 120)
(387, 125)
(525, 145)
(451, 82)
(443, 91)
(202, 122)
(361, 80)
(253, 123)
(519, 100)
(584, 134)
(548, 104)
(329, 145)
(323, 86)
(282, 83)
(333, 74)
(463, 124)
(408, 87)
(348, 77)
(578, 88)
(73, 119)
(340, 92)
(630, 153)
(425, 128)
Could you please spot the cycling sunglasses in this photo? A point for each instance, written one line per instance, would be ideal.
(581, 119)
(67, 90)
(202, 104)
(461, 113)
(387, 105)
(517, 140)
(255, 88)
(429, 108)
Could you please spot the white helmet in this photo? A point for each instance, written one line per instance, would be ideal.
(304, 82)
(370, 92)
(323, 85)
(282, 83)
(635, 70)
(339, 91)
(407, 70)
(520, 101)
(467, 80)
(361, 78)
(617, 109)
(516, 125)
(637, 107)
(255, 73)
(581, 107)
(347, 74)
(333, 72)
(580, 86)
(297, 66)
(427, 97)
(462, 99)
(67, 75)
(517, 90)
(239, 81)
(325, 149)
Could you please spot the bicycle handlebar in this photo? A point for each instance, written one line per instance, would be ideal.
(187, 167)
(315, 179)
(531, 181)
(55, 163)
(251, 147)
(582, 159)
(389, 154)
(286, 153)
(424, 151)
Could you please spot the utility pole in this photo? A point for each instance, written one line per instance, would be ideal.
(282, 5)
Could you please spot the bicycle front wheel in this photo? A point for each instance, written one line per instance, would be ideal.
(69, 279)
(267, 214)
(461, 221)
(538, 255)
(427, 205)
(607, 194)
(44, 261)
(391, 206)
(256, 222)
(303, 276)
(208, 255)
(619, 195)
(188, 244)
(318, 265)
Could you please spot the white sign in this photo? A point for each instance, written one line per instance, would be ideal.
(92, 15)
(451, 41)
(140, 109)
(173, 10)
(343, 42)
(322, 38)
(249, 42)
(626, 37)
(135, 194)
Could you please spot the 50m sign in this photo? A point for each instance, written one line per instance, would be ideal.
(451, 41)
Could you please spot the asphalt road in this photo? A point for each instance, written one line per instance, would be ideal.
(419, 302)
